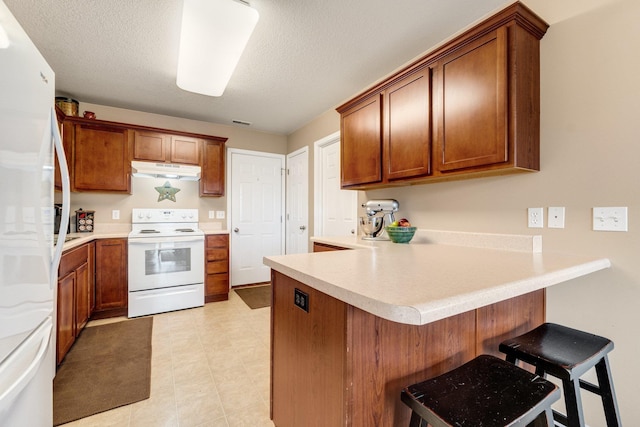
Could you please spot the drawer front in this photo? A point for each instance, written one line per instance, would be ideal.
(215, 267)
(217, 241)
(73, 259)
(217, 254)
(216, 284)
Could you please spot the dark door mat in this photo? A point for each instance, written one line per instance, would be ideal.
(255, 296)
(107, 367)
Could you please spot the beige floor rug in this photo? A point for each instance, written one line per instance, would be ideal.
(255, 296)
(107, 367)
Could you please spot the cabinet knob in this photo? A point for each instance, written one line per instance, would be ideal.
(235, 230)
(303, 227)
(353, 231)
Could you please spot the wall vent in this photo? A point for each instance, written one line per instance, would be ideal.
(241, 122)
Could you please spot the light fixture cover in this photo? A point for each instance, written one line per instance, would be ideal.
(214, 34)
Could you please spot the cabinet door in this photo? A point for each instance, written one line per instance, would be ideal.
(185, 150)
(101, 158)
(111, 274)
(150, 146)
(473, 95)
(65, 324)
(212, 179)
(361, 143)
(83, 297)
(408, 133)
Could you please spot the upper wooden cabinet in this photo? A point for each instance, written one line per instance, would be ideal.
(212, 177)
(101, 157)
(162, 147)
(99, 154)
(469, 108)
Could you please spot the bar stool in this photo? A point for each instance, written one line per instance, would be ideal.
(567, 354)
(486, 391)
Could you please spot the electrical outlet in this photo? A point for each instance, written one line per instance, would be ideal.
(212, 214)
(115, 214)
(219, 214)
(301, 299)
(535, 217)
(610, 219)
(556, 217)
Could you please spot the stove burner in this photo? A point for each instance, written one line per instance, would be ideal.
(148, 231)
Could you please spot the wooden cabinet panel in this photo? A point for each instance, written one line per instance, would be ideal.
(212, 179)
(65, 315)
(150, 146)
(408, 133)
(473, 91)
(216, 281)
(361, 147)
(217, 287)
(101, 159)
(308, 358)
(83, 297)
(75, 289)
(185, 150)
(111, 277)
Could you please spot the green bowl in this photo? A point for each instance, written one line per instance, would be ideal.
(401, 234)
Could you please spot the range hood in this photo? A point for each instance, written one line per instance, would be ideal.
(165, 170)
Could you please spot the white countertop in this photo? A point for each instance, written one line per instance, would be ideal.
(437, 275)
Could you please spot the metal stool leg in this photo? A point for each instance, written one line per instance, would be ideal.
(607, 393)
(416, 420)
(573, 402)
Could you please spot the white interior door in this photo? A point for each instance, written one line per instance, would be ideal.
(297, 218)
(336, 210)
(256, 213)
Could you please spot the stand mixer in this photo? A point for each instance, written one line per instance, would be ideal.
(379, 214)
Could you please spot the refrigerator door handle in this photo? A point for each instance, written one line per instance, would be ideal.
(14, 375)
(64, 174)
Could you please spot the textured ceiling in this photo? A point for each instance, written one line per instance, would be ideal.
(304, 57)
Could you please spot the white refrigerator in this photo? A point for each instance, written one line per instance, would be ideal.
(28, 259)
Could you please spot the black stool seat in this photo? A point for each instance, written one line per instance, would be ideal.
(485, 392)
(567, 354)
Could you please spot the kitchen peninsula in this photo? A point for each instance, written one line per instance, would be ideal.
(351, 328)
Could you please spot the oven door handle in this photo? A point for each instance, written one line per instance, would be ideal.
(175, 239)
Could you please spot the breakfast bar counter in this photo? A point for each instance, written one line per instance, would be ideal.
(351, 328)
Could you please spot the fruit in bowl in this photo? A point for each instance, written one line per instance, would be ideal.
(401, 231)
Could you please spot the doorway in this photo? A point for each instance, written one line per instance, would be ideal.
(335, 210)
(256, 206)
(297, 219)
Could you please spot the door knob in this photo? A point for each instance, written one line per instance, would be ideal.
(302, 227)
(236, 229)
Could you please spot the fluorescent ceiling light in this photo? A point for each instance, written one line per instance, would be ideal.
(4, 38)
(214, 34)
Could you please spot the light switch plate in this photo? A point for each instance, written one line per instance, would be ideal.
(115, 214)
(212, 214)
(610, 219)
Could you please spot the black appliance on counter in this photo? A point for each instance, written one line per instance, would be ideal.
(58, 218)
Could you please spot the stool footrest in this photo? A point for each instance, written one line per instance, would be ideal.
(590, 387)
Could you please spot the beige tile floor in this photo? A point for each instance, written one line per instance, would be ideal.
(210, 367)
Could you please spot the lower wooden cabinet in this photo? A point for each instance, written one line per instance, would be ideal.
(111, 278)
(216, 281)
(75, 296)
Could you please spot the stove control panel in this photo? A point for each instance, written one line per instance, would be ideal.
(142, 216)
